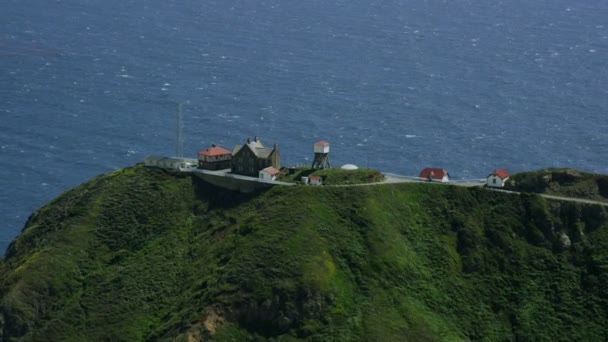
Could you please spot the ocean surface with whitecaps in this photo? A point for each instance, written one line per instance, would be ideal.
(88, 86)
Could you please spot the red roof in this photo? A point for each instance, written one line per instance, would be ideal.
(214, 151)
(324, 143)
(272, 171)
(502, 173)
(434, 173)
(315, 177)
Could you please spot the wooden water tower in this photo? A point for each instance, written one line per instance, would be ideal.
(321, 160)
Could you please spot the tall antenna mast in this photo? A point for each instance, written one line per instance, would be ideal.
(180, 133)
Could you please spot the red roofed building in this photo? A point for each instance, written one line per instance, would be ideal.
(435, 175)
(269, 173)
(315, 180)
(497, 178)
(214, 158)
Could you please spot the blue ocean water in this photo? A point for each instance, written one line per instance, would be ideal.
(88, 86)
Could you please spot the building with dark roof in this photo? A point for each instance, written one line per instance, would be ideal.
(214, 158)
(248, 159)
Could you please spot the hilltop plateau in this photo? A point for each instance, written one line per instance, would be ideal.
(561, 182)
(142, 254)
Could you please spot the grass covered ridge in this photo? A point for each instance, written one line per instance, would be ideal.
(143, 255)
(561, 182)
(336, 176)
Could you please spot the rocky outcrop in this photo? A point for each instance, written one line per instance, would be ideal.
(564, 241)
(207, 326)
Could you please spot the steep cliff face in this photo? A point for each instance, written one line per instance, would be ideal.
(143, 255)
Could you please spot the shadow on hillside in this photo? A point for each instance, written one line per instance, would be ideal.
(220, 198)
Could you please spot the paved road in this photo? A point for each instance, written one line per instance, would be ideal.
(395, 178)
(392, 178)
(226, 173)
(573, 199)
(558, 198)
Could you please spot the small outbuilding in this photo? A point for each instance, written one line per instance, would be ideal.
(349, 167)
(168, 163)
(269, 174)
(214, 158)
(497, 178)
(432, 174)
(315, 180)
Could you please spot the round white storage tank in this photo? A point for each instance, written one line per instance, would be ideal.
(349, 167)
(304, 180)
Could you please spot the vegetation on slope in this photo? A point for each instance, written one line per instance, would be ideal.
(561, 182)
(142, 255)
(336, 176)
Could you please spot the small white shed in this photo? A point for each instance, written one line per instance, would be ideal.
(315, 180)
(269, 174)
(498, 178)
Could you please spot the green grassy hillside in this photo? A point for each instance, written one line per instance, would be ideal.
(561, 182)
(143, 255)
(335, 176)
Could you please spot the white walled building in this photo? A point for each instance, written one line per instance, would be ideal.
(169, 163)
(498, 178)
(315, 180)
(269, 174)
